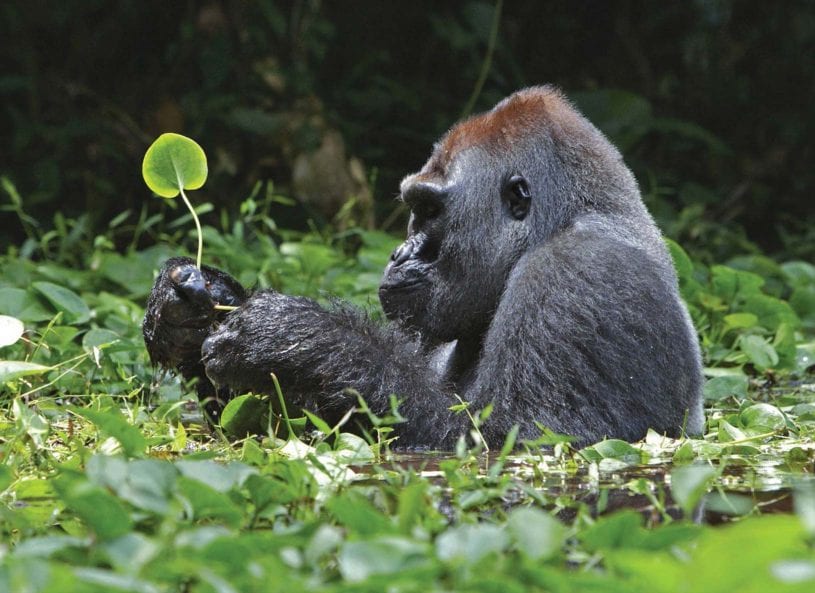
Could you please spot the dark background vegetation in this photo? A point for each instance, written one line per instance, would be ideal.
(710, 101)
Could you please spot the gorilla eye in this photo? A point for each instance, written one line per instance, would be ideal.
(517, 197)
(519, 187)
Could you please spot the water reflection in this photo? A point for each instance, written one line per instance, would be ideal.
(744, 486)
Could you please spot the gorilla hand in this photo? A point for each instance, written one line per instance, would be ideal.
(181, 312)
(271, 333)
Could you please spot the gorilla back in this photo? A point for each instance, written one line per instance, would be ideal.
(532, 277)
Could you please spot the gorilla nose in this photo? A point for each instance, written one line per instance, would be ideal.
(402, 253)
(411, 249)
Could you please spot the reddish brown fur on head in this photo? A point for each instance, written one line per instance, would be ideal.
(527, 111)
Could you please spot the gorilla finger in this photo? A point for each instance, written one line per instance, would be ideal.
(222, 288)
(216, 352)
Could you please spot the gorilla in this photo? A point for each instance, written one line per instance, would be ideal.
(532, 278)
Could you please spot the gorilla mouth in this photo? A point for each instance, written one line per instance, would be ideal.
(411, 264)
(402, 286)
(406, 278)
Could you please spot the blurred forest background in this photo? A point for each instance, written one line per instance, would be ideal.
(711, 102)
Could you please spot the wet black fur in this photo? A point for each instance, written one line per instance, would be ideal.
(554, 300)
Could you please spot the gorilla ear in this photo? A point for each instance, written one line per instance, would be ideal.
(517, 197)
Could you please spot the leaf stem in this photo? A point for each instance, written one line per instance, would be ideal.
(197, 227)
(283, 406)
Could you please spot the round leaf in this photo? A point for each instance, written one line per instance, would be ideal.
(11, 330)
(245, 414)
(172, 163)
(536, 534)
(763, 417)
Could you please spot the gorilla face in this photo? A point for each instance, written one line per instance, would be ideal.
(469, 224)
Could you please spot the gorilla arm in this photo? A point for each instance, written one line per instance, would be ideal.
(318, 354)
(590, 340)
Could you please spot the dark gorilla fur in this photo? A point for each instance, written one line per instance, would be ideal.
(532, 278)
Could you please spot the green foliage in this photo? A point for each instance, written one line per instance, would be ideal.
(753, 318)
(108, 482)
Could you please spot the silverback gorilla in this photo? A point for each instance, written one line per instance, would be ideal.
(532, 278)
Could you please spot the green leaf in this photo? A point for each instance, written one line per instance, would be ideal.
(172, 163)
(538, 535)
(763, 417)
(359, 560)
(358, 515)
(11, 330)
(130, 552)
(799, 273)
(218, 476)
(727, 432)
(45, 546)
(206, 502)
(718, 388)
(6, 477)
(145, 483)
(100, 510)
(740, 321)
(771, 312)
(731, 284)
(470, 543)
(65, 300)
(620, 530)
(351, 448)
(412, 503)
(245, 415)
(682, 263)
(759, 351)
(689, 483)
(98, 338)
(318, 422)
(785, 346)
(264, 491)
(111, 422)
(722, 561)
(684, 453)
(29, 422)
(612, 449)
(14, 369)
(729, 503)
(23, 305)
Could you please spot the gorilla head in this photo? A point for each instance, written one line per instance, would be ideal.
(496, 186)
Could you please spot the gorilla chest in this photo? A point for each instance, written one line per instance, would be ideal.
(454, 364)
